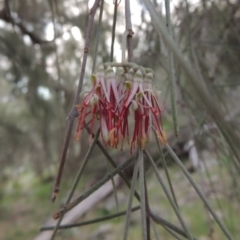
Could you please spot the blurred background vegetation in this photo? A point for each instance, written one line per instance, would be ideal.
(41, 48)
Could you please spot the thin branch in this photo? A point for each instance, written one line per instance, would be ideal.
(96, 220)
(177, 212)
(164, 223)
(5, 15)
(142, 195)
(201, 195)
(231, 137)
(165, 169)
(98, 36)
(93, 188)
(130, 200)
(156, 218)
(147, 206)
(172, 77)
(55, 45)
(129, 30)
(113, 29)
(79, 174)
(73, 112)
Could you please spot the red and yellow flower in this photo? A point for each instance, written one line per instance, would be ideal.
(113, 100)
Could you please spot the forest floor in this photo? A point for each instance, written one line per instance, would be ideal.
(25, 205)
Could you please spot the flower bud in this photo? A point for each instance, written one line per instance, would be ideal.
(94, 100)
(138, 77)
(93, 79)
(100, 73)
(148, 78)
(109, 73)
(130, 75)
(134, 105)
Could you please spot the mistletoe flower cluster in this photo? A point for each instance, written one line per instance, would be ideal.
(118, 101)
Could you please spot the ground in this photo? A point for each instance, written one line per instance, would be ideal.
(25, 205)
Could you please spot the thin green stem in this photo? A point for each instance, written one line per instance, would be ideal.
(113, 29)
(51, 3)
(169, 196)
(109, 158)
(96, 220)
(147, 206)
(114, 185)
(172, 77)
(165, 169)
(155, 230)
(129, 30)
(71, 205)
(165, 224)
(172, 233)
(201, 195)
(124, 44)
(76, 181)
(156, 218)
(130, 200)
(211, 184)
(73, 112)
(217, 114)
(98, 36)
(142, 193)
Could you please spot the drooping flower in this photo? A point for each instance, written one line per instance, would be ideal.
(92, 104)
(114, 99)
(155, 107)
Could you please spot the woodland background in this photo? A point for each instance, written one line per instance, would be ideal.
(41, 49)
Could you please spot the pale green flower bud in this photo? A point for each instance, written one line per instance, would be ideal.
(134, 105)
(109, 73)
(148, 78)
(100, 73)
(130, 75)
(138, 77)
(94, 100)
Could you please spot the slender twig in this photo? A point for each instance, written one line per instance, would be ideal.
(111, 161)
(156, 218)
(122, 64)
(98, 36)
(208, 177)
(73, 112)
(201, 195)
(7, 16)
(113, 29)
(71, 205)
(129, 30)
(155, 230)
(172, 77)
(164, 223)
(147, 206)
(51, 3)
(217, 114)
(172, 233)
(142, 194)
(79, 174)
(165, 169)
(113, 184)
(124, 43)
(96, 220)
(130, 199)
(111, 60)
(169, 196)
(196, 63)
